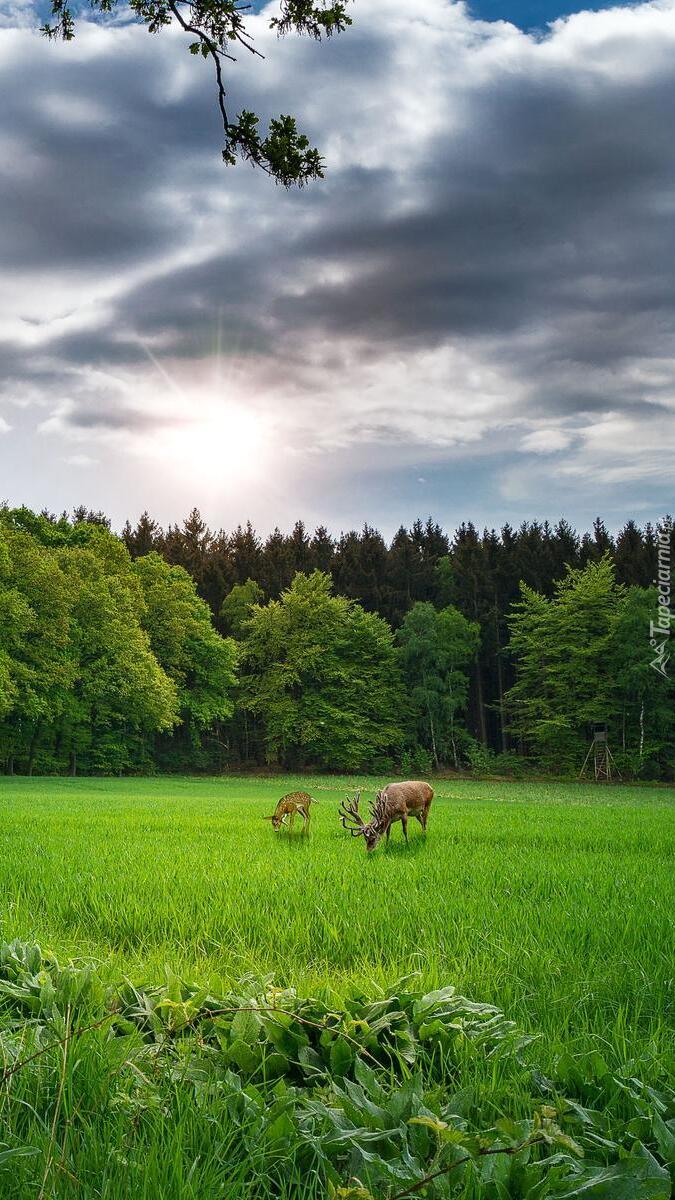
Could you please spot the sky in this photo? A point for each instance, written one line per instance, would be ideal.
(472, 317)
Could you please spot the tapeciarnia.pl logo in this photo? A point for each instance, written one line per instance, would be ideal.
(659, 630)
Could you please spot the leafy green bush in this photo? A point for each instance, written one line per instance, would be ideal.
(416, 761)
(484, 761)
(363, 1099)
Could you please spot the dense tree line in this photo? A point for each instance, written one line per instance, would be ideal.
(479, 574)
(188, 648)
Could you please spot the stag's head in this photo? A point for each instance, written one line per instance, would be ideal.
(352, 820)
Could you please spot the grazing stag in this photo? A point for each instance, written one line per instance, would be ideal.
(288, 806)
(396, 802)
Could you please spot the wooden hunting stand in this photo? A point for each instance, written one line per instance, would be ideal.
(603, 760)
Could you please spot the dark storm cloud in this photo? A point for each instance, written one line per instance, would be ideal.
(548, 211)
(541, 208)
(119, 419)
(495, 203)
(94, 142)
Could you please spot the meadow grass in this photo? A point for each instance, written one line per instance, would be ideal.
(552, 901)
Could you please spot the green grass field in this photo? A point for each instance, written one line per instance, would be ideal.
(553, 902)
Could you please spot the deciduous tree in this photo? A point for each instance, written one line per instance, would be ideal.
(196, 658)
(323, 676)
(437, 649)
(560, 645)
(121, 693)
(237, 605)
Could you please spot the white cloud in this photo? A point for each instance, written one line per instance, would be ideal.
(81, 460)
(546, 441)
(617, 449)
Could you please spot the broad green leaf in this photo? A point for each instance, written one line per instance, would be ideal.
(637, 1177)
(244, 1056)
(246, 1027)
(275, 1064)
(341, 1056)
(664, 1134)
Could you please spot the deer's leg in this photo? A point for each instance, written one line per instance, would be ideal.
(291, 820)
(404, 823)
(304, 813)
(388, 832)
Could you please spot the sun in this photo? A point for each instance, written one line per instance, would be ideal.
(207, 429)
(226, 439)
(221, 444)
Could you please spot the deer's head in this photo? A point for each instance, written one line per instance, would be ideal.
(371, 831)
(277, 821)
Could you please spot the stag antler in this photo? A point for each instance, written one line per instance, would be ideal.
(350, 815)
(378, 805)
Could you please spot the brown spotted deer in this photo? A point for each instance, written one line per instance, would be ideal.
(396, 802)
(288, 806)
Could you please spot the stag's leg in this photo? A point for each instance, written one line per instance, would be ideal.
(404, 823)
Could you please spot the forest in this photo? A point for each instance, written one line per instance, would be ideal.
(193, 650)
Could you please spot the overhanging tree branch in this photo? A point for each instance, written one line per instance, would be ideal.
(283, 152)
